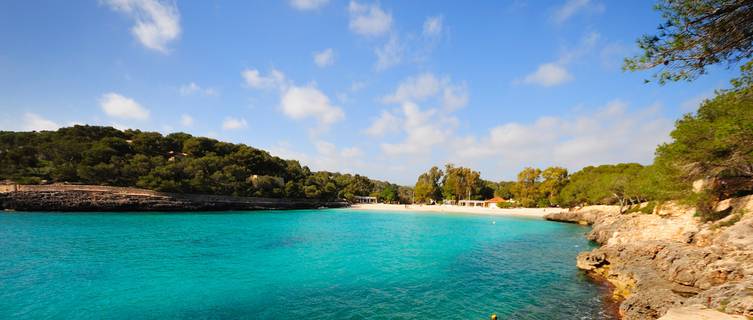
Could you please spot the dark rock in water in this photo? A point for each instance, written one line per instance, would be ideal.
(96, 198)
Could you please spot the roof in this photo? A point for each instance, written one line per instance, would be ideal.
(495, 200)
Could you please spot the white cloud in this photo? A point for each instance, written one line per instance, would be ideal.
(556, 73)
(157, 23)
(192, 88)
(352, 152)
(324, 58)
(186, 120)
(455, 96)
(327, 157)
(548, 75)
(303, 102)
(118, 106)
(254, 79)
(423, 129)
(610, 135)
(368, 19)
(424, 86)
(35, 122)
(433, 26)
(385, 124)
(308, 4)
(573, 7)
(390, 54)
(584, 47)
(417, 88)
(231, 123)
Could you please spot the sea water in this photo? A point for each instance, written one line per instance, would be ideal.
(308, 264)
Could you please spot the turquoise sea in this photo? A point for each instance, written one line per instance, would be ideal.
(309, 264)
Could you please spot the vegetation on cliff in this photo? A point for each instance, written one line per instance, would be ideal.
(176, 162)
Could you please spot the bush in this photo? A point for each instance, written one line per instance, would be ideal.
(505, 205)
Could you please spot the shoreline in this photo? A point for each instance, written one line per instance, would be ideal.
(538, 213)
(669, 264)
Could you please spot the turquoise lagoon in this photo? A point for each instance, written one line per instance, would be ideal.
(309, 264)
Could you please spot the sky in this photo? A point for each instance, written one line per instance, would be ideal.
(382, 88)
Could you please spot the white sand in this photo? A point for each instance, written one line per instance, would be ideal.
(521, 212)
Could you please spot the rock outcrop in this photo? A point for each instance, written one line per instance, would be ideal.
(98, 198)
(665, 262)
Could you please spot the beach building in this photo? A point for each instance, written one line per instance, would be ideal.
(362, 199)
(492, 203)
(471, 203)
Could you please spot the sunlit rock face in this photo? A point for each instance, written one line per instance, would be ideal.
(664, 263)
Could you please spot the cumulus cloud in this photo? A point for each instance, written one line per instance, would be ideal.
(157, 23)
(368, 19)
(390, 54)
(308, 102)
(186, 120)
(327, 156)
(118, 106)
(193, 88)
(296, 102)
(35, 122)
(304, 5)
(423, 130)
(231, 123)
(548, 75)
(386, 123)
(555, 73)
(254, 79)
(612, 134)
(424, 86)
(324, 58)
(572, 7)
(433, 26)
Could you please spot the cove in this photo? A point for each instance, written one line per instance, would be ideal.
(312, 264)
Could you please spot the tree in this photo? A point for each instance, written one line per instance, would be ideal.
(555, 178)
(505, 189)
(177, 162)
(696, 34)
(389, 194)
(715, 143)
(526, 188)
(427, 187)
(460, 183)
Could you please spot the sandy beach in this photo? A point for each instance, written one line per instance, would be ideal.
(521, 212)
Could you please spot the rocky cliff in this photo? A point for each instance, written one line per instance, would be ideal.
(669, 264)
(98, 198)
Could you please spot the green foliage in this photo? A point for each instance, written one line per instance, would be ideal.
(504, 189)
(621, 184)
(461, 183)
(695, 35)
(389, 194)
(505, 205)
(177, 162)
(427, 188)
(715, 143)
(526, 189)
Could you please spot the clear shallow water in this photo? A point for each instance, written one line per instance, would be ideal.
(326, 264)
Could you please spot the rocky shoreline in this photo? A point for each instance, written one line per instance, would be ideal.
(669, 264)
(100, 198)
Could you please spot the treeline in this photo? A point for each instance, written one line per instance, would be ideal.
(454, 183)
(709, 158)
(177, 162)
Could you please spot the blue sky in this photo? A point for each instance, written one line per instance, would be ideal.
(386, 88)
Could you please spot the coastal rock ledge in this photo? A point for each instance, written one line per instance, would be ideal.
(669, 264)
(103, 198)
